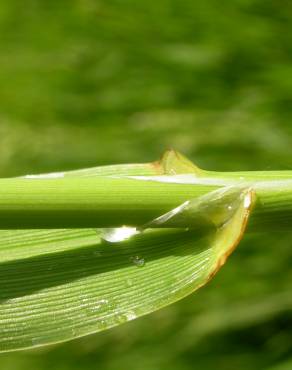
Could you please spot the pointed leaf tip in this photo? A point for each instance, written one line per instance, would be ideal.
(173, 162)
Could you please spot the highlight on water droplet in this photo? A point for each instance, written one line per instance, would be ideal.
(118, 234)
(130, 316)
(247, 200)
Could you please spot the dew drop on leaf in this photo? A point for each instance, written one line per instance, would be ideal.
(119, 234)
(138, 261)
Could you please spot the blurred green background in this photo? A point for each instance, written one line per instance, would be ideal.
(88, 82)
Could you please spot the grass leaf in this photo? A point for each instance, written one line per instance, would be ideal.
(56, 285)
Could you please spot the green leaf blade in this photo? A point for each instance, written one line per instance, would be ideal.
(83, 284)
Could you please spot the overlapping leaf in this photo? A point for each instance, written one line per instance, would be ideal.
(57, 285)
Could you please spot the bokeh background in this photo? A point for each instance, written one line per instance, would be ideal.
(92, 82)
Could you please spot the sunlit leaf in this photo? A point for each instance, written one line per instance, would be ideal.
(56, 285)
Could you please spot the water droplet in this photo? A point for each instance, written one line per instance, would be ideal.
(102, 324)
(120, 318)
(138, 261)
(118, 234)
(36, 341)
(229, 207)
(99, 305)
(131, 316)
(247, 201)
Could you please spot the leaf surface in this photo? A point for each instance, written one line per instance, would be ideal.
(56, 285)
